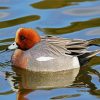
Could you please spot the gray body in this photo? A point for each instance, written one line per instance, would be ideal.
(51, 54)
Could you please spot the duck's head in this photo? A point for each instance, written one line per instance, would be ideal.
(25, 39)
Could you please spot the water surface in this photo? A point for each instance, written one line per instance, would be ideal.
(64, 18)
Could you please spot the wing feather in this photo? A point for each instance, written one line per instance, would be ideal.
(66, 46)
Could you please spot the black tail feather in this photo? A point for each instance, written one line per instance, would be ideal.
(84, 58)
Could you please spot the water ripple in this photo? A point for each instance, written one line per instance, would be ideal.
(52, 4)
(75, 26)
(18, 21)
(2, 8)
(88, 11)
(3, 14)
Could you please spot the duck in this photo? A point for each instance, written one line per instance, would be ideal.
(48, 53)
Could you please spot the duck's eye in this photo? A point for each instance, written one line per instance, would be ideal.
(22, 37)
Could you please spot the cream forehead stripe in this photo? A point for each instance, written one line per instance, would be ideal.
(43, 58)
(18, 31)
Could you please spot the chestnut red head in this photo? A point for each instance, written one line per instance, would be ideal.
(26, 38)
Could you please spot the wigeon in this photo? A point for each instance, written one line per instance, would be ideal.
(48, 53)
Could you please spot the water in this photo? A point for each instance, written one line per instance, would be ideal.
(64, 18)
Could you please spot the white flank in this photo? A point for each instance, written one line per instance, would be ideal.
(43, 58)
(76, 62)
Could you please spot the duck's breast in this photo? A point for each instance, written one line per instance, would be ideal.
(20, 59)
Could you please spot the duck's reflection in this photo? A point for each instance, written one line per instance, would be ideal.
(25, 81)
(46, 80)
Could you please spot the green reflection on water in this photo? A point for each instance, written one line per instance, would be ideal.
(50, 4)
(7, 40)
(4, 43)
(65, 96)
(4, 8)
(18, 21)
(7, 92)
(95, 61)
(75, 26)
